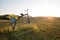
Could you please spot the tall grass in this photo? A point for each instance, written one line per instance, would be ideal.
(41, 29)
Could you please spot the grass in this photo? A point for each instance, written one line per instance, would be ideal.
(42, 29)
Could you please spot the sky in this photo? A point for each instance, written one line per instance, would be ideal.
(36, 7)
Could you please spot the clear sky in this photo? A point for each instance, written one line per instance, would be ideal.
(36, 7)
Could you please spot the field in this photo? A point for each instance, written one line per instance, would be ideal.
(39, 28)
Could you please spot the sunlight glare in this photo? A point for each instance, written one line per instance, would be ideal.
(50, 18)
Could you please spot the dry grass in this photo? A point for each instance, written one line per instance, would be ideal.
(42, 29)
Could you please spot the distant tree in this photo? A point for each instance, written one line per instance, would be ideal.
(4, 17)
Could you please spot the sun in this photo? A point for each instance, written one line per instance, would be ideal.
(50, 18)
